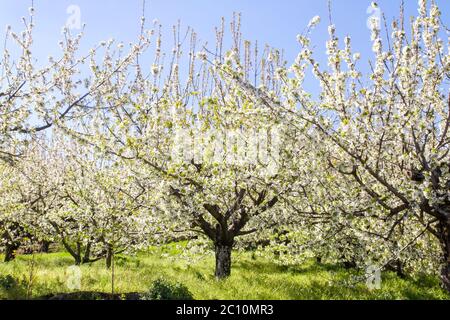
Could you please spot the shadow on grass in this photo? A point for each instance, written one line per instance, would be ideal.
(269, 267)
(91, 296)
(334, 282)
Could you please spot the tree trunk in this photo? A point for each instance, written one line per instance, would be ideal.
(444, 230)
(223, 261)
(10, 252)
(397, 267)
(75, 254)
(349, 264)
(87, 253)
(44, 246)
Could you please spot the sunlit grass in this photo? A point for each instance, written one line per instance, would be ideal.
(252, 278)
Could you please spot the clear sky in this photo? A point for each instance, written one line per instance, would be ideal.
(273, 22)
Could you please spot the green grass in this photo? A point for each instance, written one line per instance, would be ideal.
(252, 278)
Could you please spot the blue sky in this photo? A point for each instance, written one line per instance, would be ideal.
(273, 22)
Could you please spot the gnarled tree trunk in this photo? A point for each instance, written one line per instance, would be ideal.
(397, 267)
(10, 252)
(87, 254)
(444, 231)
(223, 261)
(44, 246)
(230, 224)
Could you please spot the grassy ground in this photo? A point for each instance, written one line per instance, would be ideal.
(252, 278)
